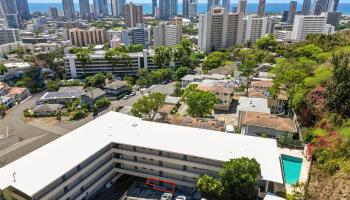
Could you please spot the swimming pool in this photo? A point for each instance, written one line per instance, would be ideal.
(291, 168)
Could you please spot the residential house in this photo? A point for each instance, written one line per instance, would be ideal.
(18, 93)
(199, 78)
(91, 96)
(261, 89)
(170, 104)
(264, 124)
(116, 88)
(63, 95)
(15, 70)
(7, 101)
(223, 91)
(46, 110)
(4, 88)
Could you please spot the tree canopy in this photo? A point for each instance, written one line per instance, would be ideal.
(239, 178)
(148, 106)
(200, 103)
(338, 89)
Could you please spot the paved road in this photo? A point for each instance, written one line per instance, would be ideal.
(13, 121)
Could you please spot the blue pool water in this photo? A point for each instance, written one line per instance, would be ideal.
(291, 168)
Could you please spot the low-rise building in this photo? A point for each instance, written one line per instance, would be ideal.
(261, 89)
(18, 93)
(267, 125)
(139, 60)
(198, 78)
(116, 144)
(7, 101)
(62, 96)
(14, 70)
(4, 88)
(223, 91)
(46, 110)
(116, 88)
(91, 96)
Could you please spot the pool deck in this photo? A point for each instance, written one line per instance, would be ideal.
(305, 167)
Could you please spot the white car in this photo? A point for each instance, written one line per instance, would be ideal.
(180, 198)
(166, 196)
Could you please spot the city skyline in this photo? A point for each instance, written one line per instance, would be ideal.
(199, 1)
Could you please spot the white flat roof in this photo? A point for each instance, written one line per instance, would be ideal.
(250, 104)
(39, 168)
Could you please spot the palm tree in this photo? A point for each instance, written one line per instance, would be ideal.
(84, 57)
(3, 69)
(112, 56)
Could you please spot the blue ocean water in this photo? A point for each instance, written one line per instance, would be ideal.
(202, 7)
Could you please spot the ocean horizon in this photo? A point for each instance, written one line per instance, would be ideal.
(202, 7)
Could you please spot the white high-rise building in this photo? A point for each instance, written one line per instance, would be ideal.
(283, 35)
(256, 27)
(219, 29)
(306, 24)
(168, 34)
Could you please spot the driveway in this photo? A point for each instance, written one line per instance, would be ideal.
(13, 121)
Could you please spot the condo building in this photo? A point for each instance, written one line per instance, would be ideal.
(255, 27)
(219, 29)
(9, 35)
(307, 24)
(130, 66)
(117, 144)
(82, 37)
(133, 14)
(168, 33)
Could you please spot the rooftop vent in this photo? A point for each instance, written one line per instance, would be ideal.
(134, 125)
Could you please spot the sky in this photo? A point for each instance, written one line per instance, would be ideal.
(200, 1)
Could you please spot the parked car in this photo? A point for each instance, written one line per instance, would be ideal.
(166, 196)
(132, 93)
(181, 197)
(126, 97)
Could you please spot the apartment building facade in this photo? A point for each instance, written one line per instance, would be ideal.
(168, 33)
(117, 144)
(82, 37)
(9, 35)
(255, 27)
(133, 14)
(308, 24)
(139, 60)
(219, 29)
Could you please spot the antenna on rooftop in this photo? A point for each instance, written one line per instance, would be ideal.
(14, 177)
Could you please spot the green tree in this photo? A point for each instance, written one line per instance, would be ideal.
(215, 59)
(248, 69)
(113, 56)
(53, 85)
(178, 91)
(83, 55)
(102, 103)
(3, 108)
(200, 103)
(129, 79)
(309, 51)
(148, 106)
(338, 89)
(239, 178)
(3, 69)
(209, 187)
(267, 43)
(162, 56)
